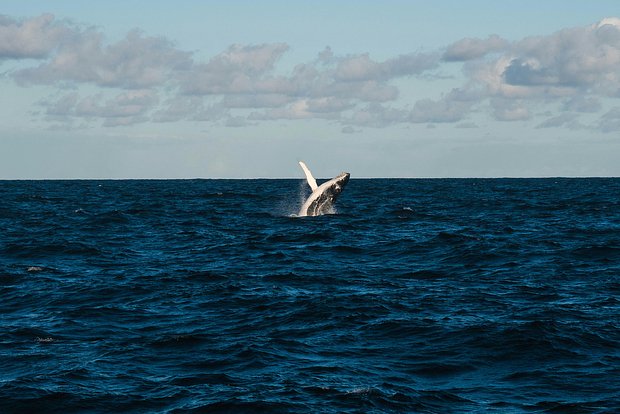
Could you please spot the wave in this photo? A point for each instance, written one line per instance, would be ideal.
(420, 296)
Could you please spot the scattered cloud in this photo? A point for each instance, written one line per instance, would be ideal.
(238, 70)
(453, 107)
(471, 48)
(577, 59)
(238, 121)
(257, 100)
(565, 119)
(178, 108)
(142, 78)
(134, 62)
(32, 38)
(510, 110)
(581, 103)
(126, 108)
(363, 68)
(377, 115)
(610, 121)
(576, 68)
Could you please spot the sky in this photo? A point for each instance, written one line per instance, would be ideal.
(245, 89)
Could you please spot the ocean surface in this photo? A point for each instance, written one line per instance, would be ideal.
(419, 296)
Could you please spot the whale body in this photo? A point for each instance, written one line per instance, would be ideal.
(323, 196)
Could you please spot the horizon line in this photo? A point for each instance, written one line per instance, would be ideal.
(320, 178)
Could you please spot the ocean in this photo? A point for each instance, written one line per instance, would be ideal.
(417, 296)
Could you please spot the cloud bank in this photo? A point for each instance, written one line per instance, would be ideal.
(554, 80)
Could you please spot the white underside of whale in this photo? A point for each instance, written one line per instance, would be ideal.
(321, 199)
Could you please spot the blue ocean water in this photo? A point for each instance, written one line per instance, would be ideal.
(428, 296)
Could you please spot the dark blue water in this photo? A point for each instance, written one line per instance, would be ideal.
(430, 296)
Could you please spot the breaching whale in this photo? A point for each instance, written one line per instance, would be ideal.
(323, 197)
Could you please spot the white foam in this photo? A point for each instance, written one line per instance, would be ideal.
(34, 269)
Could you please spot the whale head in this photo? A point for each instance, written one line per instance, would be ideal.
(339, 182)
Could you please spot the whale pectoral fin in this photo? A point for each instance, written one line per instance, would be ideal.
(311, 180)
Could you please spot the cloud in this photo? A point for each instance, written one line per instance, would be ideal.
(364, 91)
(178, 108)
(246, 76)
(582, 59)
(610, 121)
(289, 107)
(210, 113)
(238, 121)
(565, 119)
(260, 100)
(450, 108)
(520, 72)
(134, 62)
(142, 78)
(564, 65)
(574, 67)
(327, 88)
(580, 103)
(472, 48)
(358, 68)
(377, 116)
(239, 69)
(33, 38)
(325, 108)
(123, 109)
(61, 107)
(363, 68)
(510, 110)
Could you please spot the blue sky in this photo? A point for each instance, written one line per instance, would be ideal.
(241, 89)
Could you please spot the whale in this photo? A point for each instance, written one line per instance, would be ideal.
(323, 196)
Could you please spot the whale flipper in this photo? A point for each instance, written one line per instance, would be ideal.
(311, 180)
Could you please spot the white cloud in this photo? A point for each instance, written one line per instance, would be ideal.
(377, 116)
(123, 109)
(574, 68)
(510, 110)
(237, 122)
(210, 113)
(326, 88)
(239, 69)
(303, 109)
(358, 68)
(576, 59)
(363, 68)
(573, 71)
(260, 100)
(178, 108)
(30, 38)
(135, 62)
(453, 107)
(471, 48)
